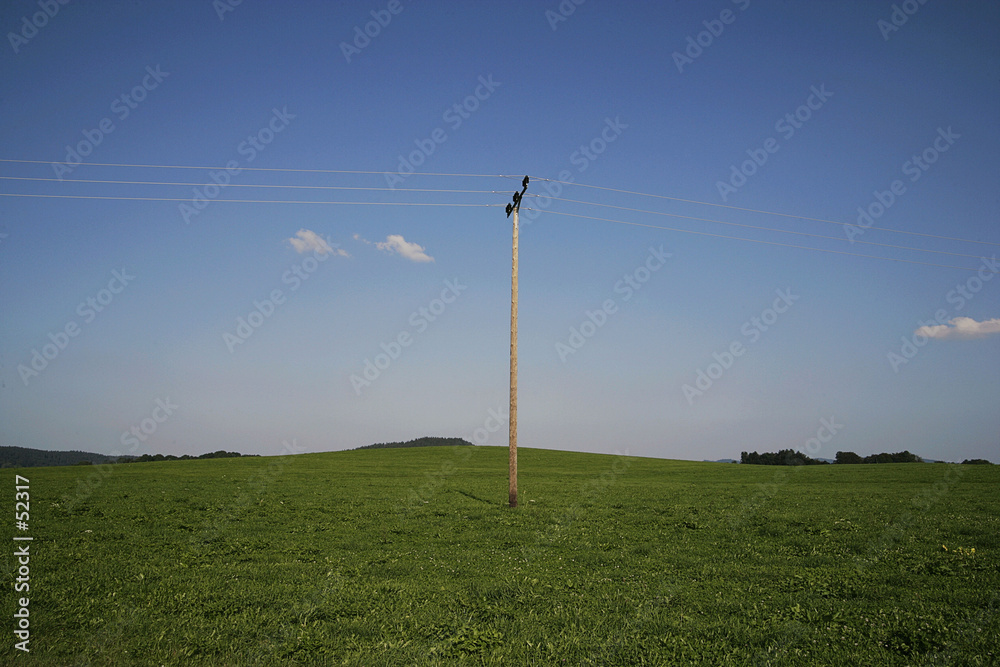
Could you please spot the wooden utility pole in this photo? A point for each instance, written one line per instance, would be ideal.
(514, 208)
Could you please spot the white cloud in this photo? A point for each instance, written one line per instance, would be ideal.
(961, 327)
(309, 241)
(397, 244)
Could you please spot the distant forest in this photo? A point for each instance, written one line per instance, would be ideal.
(884, 457)
(25, 457)
(421, 442)
(184, 457)
(790, 457)
(786, 457)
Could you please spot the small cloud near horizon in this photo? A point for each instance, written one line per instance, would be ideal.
(961, 327)
(306, 240)
(396, 244)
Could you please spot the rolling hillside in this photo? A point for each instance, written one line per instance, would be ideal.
(410, 556)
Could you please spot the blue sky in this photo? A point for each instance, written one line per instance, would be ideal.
(686, 346)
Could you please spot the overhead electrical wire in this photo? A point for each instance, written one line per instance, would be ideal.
(446, 174)
(740, 238)
(471, 205)
(246, 185)
(768, 229)
(246, 201)
(278, 169)
(754, 210)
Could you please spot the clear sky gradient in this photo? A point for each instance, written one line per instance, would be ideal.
(144, 317)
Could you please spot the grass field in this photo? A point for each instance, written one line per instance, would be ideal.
(410, 556)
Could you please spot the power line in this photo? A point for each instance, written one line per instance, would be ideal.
(459, 191)
(505, 176)
(440, 190)
(754, 210)
(775, 243)
(768, 229)
(243, 201)
(245, 185)
(313, 171)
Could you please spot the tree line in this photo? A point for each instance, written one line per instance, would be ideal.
(420, 442)
(898, 457)
(145, 458)
(786, 457)
(26, 457)
(790, 457)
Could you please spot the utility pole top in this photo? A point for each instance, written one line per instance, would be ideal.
(516, 205)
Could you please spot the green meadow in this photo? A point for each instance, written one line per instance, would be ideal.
(411, 557)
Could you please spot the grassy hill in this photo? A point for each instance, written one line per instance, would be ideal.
(410, 556)
(421, 442)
